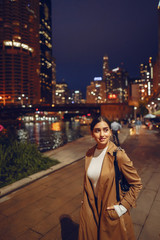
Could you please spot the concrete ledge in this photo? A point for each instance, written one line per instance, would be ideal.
(13, 186)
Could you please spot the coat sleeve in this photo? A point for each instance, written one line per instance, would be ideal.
(132, 177)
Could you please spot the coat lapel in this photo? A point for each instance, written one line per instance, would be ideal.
(108, 159)
(107, 164)
(88, 185)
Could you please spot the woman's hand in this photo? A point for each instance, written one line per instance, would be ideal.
(120, 209)
(111, 208)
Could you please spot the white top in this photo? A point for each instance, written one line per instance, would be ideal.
(95, 166)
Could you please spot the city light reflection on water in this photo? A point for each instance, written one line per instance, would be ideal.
(51, 135)
(56, 126)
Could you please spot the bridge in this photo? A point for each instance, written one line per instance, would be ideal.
(69, 110)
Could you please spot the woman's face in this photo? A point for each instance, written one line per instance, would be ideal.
(101, 133)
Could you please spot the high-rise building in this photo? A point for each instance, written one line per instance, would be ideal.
(96, 91)
(19, 52)
(106, 74)
(158, 28)
(25, 52)
(156, 79)
(53, 80)
(156, 68)
(62, 93)
(45, 35)
(105, 67)
(119, 86)
(141, 88)
(76, 96)
(146, 78)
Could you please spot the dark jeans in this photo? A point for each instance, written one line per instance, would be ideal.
(115, 137)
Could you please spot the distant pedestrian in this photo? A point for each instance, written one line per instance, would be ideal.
(102, 216)
(116, 126)
(138, 124)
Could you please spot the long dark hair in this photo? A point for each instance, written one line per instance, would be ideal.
(97, 120)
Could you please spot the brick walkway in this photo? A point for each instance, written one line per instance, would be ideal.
(49, 207)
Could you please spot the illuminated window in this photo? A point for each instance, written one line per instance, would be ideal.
(16, 37)
(7, 25)
(15, 23)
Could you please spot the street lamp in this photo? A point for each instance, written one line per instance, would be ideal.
(135, 110)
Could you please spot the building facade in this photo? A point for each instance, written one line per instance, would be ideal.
(62, 93)
(156, 68)
(96, 91)
(19, 52)
(106, 74)
(116, 81)
(118, 92)
(76, 96)
(146, 78)
(53, 80)
(141, 89)
(117, 111)
(45, 35)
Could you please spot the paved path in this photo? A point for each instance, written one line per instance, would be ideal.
(66, 155)
(49, 207)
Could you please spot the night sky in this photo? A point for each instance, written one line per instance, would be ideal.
(86, 30)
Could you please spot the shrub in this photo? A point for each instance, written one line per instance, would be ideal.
(19, 160)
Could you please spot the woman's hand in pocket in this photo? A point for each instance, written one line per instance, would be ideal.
(110, 211)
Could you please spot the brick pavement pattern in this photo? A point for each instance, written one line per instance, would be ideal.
(48, 209)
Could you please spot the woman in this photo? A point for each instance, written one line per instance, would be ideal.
(101, 216)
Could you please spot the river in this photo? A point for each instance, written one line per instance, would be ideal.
(49, 135)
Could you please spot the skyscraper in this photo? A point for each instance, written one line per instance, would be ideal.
(76, 96)
(106, 73)
(119, 85)
(105, 67)
(159, 28)
(96, 91)
(19, 52)
(146, 78)
(53, 80)
(62, 93)
(45, 35)
(156, 73)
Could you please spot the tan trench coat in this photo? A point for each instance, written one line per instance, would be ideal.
(100, 223)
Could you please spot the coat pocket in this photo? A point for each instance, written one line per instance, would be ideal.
(111, 213)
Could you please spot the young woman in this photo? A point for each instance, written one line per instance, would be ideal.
(101, 216)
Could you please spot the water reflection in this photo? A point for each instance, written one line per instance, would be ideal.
(56, 126)
(51, 135)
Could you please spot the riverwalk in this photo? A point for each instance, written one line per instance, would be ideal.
(66, 155)
(48, 208)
